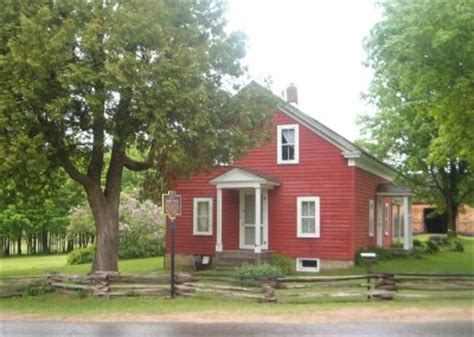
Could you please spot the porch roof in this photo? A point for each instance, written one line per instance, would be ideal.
(393, 190)
(243, 177)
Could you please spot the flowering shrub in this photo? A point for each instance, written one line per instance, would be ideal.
(141, 226)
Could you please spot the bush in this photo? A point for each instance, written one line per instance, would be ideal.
(431, 247)
(284, 263)
(397, 244)
(458, 246)
(145, 246)
(446, 241)
(82, 255)
(382, 254)
(261, 270)
(417, 243)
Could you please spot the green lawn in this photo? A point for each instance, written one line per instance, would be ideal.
(446, 261)
(442, 262)
(38, 265)
(61, 306)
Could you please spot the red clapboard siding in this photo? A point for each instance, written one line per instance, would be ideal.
(198, 186)
(322, 171)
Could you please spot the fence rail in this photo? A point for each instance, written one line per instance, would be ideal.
(312, 288)
(406, 286)
(18, 286)
(114, 284)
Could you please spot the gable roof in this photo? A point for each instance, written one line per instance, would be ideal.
(243, 176)
(392, 190)
(355, 155)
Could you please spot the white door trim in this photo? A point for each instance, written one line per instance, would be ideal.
(242, 193)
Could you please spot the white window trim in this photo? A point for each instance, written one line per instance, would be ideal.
(386, 218)
(195, 212)
(299, 264)
(295, 127)
(300, 234)
(371, 218)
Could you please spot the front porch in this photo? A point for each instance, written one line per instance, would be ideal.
(253, 204)
(401, 214)
(233, 258)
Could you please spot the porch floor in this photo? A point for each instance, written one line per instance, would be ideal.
(234, 258)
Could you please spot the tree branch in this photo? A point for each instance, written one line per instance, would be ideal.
(143, 165)
(435, 180)
(96, 163)
(135, 165)
(73, 172)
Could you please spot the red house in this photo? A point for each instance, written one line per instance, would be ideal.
(308, 194)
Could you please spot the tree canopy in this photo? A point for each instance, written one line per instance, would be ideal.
(85, 84)
(422, 56)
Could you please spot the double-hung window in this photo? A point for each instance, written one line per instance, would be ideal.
(202, 216)
(288, 144)
(308, 217)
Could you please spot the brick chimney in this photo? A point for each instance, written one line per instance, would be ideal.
(292, 94)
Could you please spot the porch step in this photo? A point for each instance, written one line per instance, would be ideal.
(234, 258)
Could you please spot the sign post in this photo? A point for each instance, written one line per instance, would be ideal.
(171, 206)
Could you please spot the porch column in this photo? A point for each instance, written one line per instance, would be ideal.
(258, 225)
(379, 229)
(219, 246)
(407, 230)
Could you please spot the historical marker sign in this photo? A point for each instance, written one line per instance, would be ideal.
(171, 204)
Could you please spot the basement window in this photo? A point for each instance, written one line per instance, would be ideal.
(307, 264)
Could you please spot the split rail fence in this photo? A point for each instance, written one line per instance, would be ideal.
(293, 289)
(352, 287)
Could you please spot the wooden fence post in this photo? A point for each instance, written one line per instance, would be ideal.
(101, 283)
(387, 286)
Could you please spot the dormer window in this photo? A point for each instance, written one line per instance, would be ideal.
(288, 144)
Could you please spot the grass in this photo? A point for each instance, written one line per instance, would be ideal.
(54, 305)
(442, 262)
(38, 265)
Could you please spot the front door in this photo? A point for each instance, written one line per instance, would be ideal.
(247, 219)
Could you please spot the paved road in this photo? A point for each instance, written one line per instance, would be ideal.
(53, 329)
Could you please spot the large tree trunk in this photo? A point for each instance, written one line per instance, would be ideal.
(452, 214)
(107, 233)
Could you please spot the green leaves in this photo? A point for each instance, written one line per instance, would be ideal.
(84, 83)
(422, 55)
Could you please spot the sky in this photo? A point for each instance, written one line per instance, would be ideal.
(315, 44)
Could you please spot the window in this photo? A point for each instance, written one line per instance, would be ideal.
(307, 264)
(202, 216)
(288, 144)
(308, 217)
(386, 218)
(371, 217)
